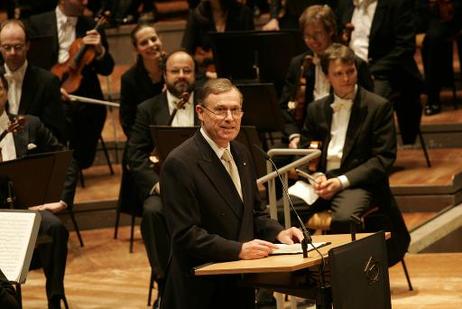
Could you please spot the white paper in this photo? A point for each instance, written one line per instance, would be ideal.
(295, 248)
(15, 231)
(304, 191)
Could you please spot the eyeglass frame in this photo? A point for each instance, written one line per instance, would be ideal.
(16, 47)
(223, 114)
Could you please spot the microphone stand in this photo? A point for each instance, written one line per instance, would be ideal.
(306, 235)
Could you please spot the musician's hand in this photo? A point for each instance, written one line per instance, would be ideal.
(52, 207)
(93, 37)
(288, 236)
(327, 188)
(64, 95)
(293, 144)
(272, 25)
(256, 249)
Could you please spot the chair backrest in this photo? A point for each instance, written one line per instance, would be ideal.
(359, 274)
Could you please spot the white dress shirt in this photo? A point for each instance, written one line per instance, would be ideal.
(321, 84)
(185, 116)
(66, 34)
(219, 152)
(362, 18)
(7, 144)
(15, 80)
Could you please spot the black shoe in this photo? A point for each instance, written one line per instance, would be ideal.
(432, 109)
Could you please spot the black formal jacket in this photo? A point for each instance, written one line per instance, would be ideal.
(239, 18)
(368, 155)
(370, 144)
(153, 111)
(207, 221)
(41, 97)
(136, 87)
(86, 120)
(292, 81)
(7, 293)
(391, 39)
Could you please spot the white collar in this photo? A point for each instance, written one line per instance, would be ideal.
(18, 74)
(63, 18)
(217, 149)
(171, 99)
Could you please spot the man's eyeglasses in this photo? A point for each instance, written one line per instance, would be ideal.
(186, 71)
(16, 47)
(222, 112)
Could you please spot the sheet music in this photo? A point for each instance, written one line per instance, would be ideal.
(15, 235)
(296, 248)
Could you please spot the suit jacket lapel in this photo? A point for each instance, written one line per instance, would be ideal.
(218, 176)
(21, 139)
(327, 114)
(354, 125)
(162, 114)
(26, 96)
(377, 19)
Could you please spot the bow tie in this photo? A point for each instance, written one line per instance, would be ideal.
(341, 104)
(69, 21)
(13, 77)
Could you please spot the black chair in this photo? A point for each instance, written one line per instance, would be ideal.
(128, 203)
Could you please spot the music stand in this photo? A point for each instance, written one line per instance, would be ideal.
(37, 179)
(261, 108)
(256, 55)
(359, 274)
(168, 138)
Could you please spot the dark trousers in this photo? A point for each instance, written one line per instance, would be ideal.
(404, 93)
(437, 57)
(343, 205)
(156, 237)
(51, 256)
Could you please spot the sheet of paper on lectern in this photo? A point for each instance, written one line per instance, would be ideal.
(18, 233)
(296, 248)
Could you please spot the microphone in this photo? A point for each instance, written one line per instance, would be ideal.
(307, 237)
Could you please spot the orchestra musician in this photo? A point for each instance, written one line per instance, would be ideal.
(63, 26)
(318, 26)
(36, 138)
(212, 208)
(179, 78)
(384, 37)
(33, 90)
(144, 79)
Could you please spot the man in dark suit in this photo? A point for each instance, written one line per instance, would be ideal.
(62, 26)
(319, 29)
(357, 133)
(179, 77)
(384, 36)
(36, 138)
(212, 208)
(33, 90)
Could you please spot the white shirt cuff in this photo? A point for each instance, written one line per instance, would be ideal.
(344, 181)
(155, 189)
(292, 136)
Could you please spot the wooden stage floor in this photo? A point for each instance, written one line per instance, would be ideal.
(104, 275)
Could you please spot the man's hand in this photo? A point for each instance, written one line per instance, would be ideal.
(256, 249)
(53, 207)
(93, 37)
(327, 188)
(272, 25)
(64, 95)
(293, 144)
(288, 236)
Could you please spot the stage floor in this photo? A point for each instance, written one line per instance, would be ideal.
(104, 275)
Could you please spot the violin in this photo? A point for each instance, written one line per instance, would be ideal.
(154, 157)
(298, 104)
(16, 125)
(80, 55)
